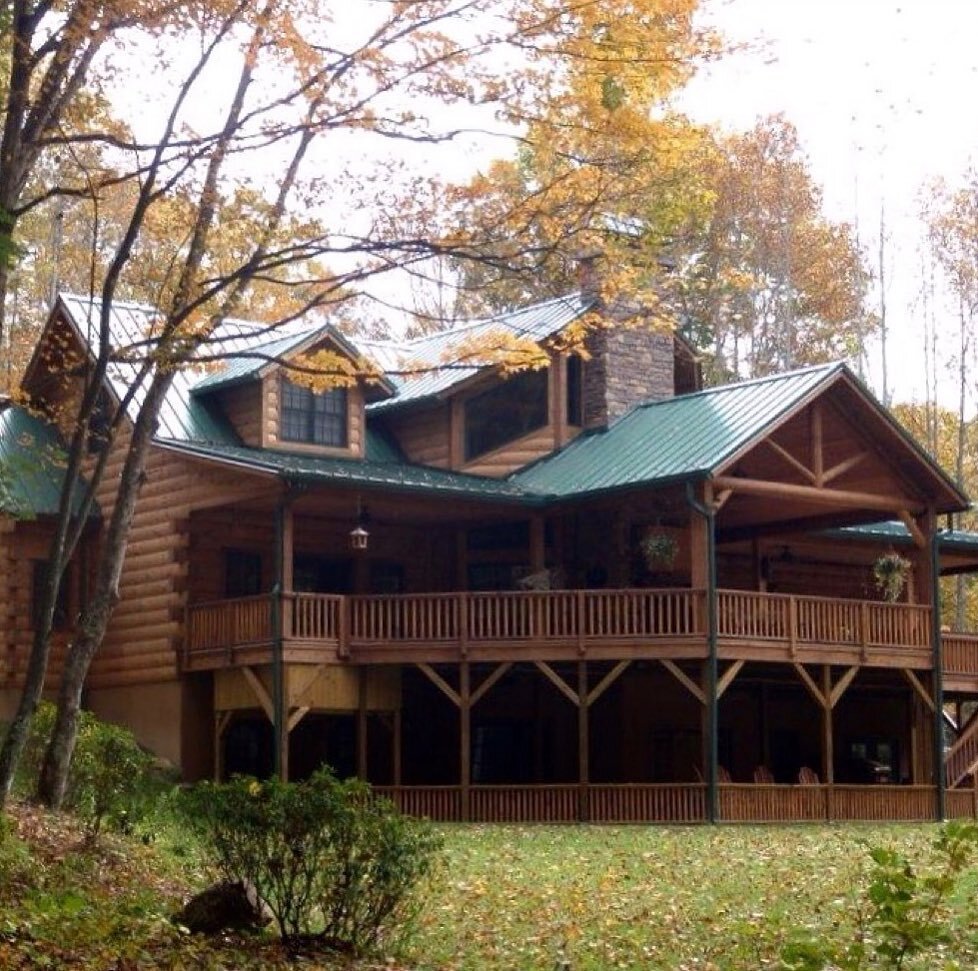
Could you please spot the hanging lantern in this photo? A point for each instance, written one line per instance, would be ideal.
(359, 537)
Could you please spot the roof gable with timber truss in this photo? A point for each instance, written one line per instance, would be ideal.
(789, 446)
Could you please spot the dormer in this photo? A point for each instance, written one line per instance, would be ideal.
(270, 406)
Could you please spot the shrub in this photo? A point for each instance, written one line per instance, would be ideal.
(112, 781)
(906, 913)
(327, 857)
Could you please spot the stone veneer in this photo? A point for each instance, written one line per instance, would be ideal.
(627, 365)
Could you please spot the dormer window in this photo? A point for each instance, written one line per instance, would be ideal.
(503, 414)
(313, 417)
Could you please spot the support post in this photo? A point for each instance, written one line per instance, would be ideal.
(929, 528)
(397, 746)
(362, 724)
(828, 743)
(705, 510)
(465, 737)
(583, 742)
(279, 720)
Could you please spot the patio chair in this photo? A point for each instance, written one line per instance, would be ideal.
(763, 776)
(807, 776)
(723, 774)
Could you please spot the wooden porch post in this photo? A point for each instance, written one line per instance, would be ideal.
(703, 576)
(928, 568)
(538, 552)
(465, 736)
(583, 741)
(397, 746)
(828, 742)
(362, 723)
(283, 572)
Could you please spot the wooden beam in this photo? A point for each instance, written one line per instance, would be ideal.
(818, 455)
(809, 683)
(914, 682)
(260, 691)
(362, 700)
(728, 676)
(296, 717)
(791, 460)
(825, 497)
(721, 499)
(842, 467)
(841, 685)
(489, 682)
(606, 682)
(828, 734)
(465, 737)
(436, 679)
(558, 682)
(916, 533)
(684, 679)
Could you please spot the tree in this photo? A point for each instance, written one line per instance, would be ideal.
(303, 88)
(606, 136)
(55, 68)
(768, 282)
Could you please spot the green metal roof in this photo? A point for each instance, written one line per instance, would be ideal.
(32, 461)
(247, 363)
(360, 473)
(679, 438)
(894, 531)
(435, 356)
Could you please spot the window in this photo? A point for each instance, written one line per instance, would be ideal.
(39, 578)
(509, 411)
(575, 390)
(242, 573)
(318, 418)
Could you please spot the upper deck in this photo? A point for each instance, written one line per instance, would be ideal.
(571, 624)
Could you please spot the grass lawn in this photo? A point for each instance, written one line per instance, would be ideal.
(644, 897)
(517, 898)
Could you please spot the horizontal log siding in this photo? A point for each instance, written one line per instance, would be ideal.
(145, 634)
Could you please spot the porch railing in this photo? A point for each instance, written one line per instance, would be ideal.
(675, 803)
(569, 618)
(558, 615)
(744, 615)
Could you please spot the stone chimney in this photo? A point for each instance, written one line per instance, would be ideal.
(629, 362)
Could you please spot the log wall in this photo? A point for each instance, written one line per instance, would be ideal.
(423, 434)
(144, 636)
(242, 404)
(21, 545)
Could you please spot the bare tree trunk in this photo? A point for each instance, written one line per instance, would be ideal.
(883, 328)
(959, 592)
(98, 612)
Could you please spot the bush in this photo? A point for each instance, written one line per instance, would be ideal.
(907, 914)
(112, 782)
(327, 857)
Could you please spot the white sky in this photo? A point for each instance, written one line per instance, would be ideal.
(882, 93)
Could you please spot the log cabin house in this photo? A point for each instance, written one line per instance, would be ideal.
(592, 591)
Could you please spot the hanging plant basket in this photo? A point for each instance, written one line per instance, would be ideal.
(890, 572)
(659, 550)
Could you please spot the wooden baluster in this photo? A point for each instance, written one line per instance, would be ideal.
(792, 626)
(581, 604)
